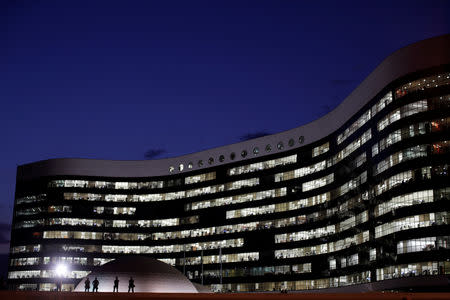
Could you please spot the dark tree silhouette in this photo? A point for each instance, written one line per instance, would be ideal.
(153, 153)
(253, 135)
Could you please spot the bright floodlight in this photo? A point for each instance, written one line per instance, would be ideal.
(61, 270)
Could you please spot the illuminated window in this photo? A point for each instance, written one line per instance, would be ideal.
(263, 165)
(321, 149)
(317, 183)
(200, 178)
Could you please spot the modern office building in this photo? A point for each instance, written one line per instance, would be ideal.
(359, 196)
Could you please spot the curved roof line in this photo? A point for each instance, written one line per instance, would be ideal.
(418, 56)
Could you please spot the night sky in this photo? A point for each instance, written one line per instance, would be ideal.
(115, 79)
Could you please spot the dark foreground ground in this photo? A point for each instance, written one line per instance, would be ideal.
(6, 295)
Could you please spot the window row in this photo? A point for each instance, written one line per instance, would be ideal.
(323, 248)
(29, 223)
(46, 274)
(408, 270)
(403, 201)
(25, 249)
(231, 243)
(350, 148)
(215, 259)
(297, 173)
(423, 244)
(399, 135)
(106, 184)
(393, 181)
(319, 150)
(24, 261)
(422, 84)
(200, 178)
(310, 284)
(377, 107)
(399, 157)
(282, 207)
(249, 197)
(122, 223)
(412, 222)
(31, 199)
(259, 271)
(317, 183)
(127, 249)
(305, 235)
(402, 112)
(264, 165)
(351, 185)
(29, 211)
(67, 260)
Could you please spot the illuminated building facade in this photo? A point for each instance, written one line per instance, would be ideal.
(360, 195)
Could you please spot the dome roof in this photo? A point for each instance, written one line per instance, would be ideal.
(150, 275)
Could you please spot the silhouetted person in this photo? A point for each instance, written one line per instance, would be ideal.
(2, 283)
(87, 285)
(131, 285)
(95, 285)
(58, 285)
(116, 285)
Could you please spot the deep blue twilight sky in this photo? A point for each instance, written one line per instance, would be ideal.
(113, 79)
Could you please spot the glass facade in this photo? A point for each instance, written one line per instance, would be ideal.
(352, 208)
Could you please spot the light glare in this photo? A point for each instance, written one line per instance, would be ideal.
(61, 270)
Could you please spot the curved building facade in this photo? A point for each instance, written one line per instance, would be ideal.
(359, 196)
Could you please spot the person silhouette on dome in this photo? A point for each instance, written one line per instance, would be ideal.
(131, 285)
(116, 285)
(95, 285)
(87, 285)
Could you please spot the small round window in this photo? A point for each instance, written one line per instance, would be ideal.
(171, 169)
(301, 139)
(190, 165)
(244, 153)
(200, 163)
(181, 167)
(232, 155)
(256, 150)
(210, 160)
(268, 148)
(221, 158)
(291, 143)
(280, 146)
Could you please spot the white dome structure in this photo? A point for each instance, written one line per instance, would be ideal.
(150, 276)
